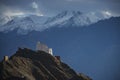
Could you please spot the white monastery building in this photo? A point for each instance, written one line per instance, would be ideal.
(43, 47)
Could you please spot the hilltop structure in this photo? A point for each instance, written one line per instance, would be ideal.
(43, 47)
(6, 58)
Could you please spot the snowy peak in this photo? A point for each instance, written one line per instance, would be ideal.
(71, 18)
(25, 24)
(5, 19)
(40, 23)
(62, 17)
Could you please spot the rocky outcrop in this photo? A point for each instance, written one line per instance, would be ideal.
(27, 64)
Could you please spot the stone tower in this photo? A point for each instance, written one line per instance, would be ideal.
(50, 51)
(6, 58)
(43, 47)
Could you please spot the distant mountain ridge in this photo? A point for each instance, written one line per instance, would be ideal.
(40, 23)
(31, 65)
(85, 40)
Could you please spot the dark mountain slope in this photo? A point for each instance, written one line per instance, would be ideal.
(26, 64)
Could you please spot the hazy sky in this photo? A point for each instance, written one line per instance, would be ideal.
(50, 7)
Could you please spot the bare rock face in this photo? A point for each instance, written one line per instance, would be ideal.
(26, 64)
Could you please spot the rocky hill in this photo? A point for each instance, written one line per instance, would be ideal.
(27, 64)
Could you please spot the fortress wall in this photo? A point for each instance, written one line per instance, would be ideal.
(43, 47)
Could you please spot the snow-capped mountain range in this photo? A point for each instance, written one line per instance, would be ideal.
(40, 23)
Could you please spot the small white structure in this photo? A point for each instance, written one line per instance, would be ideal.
(43, 47)
(50, 51)
(6, 58)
